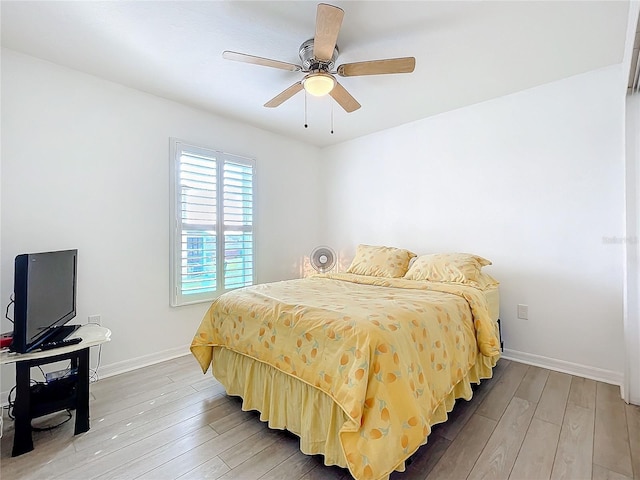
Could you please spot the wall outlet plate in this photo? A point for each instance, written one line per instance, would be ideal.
(523, 311)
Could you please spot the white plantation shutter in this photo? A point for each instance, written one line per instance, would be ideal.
(237, 201)
(212, 223)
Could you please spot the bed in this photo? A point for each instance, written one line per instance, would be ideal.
(360, 367)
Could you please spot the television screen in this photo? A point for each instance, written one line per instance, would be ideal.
(45, 296)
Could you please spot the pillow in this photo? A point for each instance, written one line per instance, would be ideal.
(486, 281)
(380, 261)
(462, 268)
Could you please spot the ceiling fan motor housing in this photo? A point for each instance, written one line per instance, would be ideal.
(310, 63)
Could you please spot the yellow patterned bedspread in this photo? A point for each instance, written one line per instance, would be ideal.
(387, 350)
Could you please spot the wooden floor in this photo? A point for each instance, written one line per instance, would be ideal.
(169, 421)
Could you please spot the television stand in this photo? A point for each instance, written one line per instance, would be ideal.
(66, 393)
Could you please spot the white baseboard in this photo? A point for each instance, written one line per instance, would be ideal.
(139, 362)
(593, 373)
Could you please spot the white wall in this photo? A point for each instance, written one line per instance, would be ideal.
(85, 164)
(632, 326)
(632, 191)
(533, 181)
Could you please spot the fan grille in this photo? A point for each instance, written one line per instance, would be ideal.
(323, 259)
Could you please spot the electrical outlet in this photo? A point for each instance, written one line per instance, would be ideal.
(523, 311)
(95, 319)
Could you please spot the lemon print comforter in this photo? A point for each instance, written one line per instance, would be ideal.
(388, 351)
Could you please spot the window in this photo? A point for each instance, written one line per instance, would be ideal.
(211, 223)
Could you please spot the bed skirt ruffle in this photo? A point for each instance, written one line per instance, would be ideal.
(286, 402)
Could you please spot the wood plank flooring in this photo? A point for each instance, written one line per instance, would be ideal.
(168, 421)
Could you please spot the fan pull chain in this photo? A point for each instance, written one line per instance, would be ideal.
(305, 110)
(331, 118)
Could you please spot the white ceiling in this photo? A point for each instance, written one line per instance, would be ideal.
(466, 52)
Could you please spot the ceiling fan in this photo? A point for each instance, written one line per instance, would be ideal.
(318, 56)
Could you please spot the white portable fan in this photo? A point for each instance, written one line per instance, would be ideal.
(322, 259)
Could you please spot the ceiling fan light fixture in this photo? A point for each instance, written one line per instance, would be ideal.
(319, 84)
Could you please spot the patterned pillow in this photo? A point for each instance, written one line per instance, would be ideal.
(380, 261)
(448, 268)
(486, 281)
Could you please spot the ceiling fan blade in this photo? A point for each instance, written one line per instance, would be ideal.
(265, 62)
(284, 96)
(344, 98)
(328, 22)
(378, 67)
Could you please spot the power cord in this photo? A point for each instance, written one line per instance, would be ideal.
(93, 372)
(11, 402)
(11, 302)
(46, 429)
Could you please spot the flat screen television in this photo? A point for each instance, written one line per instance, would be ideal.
(44, 297)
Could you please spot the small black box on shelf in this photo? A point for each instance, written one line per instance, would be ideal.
(48, 396)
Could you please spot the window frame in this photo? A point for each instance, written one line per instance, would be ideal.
(177, 147)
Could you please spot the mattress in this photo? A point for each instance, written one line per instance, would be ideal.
(493, 302)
